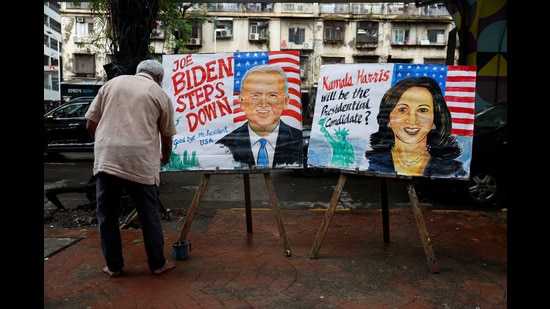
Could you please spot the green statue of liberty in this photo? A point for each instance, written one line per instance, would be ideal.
(342, 150)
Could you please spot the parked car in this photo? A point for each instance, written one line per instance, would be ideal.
(488, 181)
(65, 127)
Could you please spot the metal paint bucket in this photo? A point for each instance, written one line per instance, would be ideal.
(180, 250)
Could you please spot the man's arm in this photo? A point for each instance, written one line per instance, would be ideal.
(91, 126)
(165, 149)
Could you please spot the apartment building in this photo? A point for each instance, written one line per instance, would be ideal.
(52, 51)
(324, 33)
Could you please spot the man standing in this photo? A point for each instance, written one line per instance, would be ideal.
(264, 140)
(132, 122)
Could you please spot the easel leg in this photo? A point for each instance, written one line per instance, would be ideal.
(247, 202)
(328, 217)
(277, 212)
(430, 257)
(193, 209)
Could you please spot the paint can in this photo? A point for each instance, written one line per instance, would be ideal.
(180, 250)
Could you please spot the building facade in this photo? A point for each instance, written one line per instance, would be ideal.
(52, 51)
(324, 33)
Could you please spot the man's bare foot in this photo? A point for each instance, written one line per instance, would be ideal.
(112, 274)
(167, 266)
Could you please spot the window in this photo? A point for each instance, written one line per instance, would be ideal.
(400, 36)
(332, 60)
(55, 6)
(367, 34)
(368, 8)
(334, 31)
(259, 27)
(78, 5)
(223, 7)
(55, 25)
(84, 65)
(224, 29)
(84, 26)
(195, 35)
(157, 32)
(53, 61)
(436, 36)
(342, 8)
(259, 7)
(296, 35)
(399, 60)
(75, 110)
(297, 8)
(55, 83)
(335, 8)
(195, 30)
(366, 59)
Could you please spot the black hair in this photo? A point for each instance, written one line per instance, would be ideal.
(439, 140)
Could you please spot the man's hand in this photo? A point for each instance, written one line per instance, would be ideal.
(165, 149)
(164, 160)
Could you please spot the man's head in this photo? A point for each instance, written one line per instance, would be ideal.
(264, 97)
(153, 68)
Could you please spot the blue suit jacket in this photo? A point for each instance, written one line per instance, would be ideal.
(288, 149)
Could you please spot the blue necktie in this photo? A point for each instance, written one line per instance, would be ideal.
(263, 161)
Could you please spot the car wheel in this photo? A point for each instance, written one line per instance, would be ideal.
(482, 188)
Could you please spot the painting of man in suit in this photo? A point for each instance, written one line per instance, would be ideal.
(264, 140)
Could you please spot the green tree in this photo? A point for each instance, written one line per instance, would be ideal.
(128, 24)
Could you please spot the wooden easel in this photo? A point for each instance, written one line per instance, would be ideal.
(430, 257)
(248, 208)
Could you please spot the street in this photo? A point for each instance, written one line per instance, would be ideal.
(294, 192)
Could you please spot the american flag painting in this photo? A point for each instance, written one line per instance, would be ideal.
(290, 62)
(458, 84)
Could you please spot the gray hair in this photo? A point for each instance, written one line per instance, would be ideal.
(151, 67)
(266, 68)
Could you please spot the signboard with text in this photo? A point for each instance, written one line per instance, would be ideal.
(208, 105)
(394, 119)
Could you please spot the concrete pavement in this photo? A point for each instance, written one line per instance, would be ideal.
(230, 268)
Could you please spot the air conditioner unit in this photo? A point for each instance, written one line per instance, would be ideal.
(80, 19)
(77, 38)
(254, 36)
(194, 41)
(221, 33)
(307, 45)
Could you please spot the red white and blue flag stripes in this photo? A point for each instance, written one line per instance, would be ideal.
(290, 62)
(458, 84)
